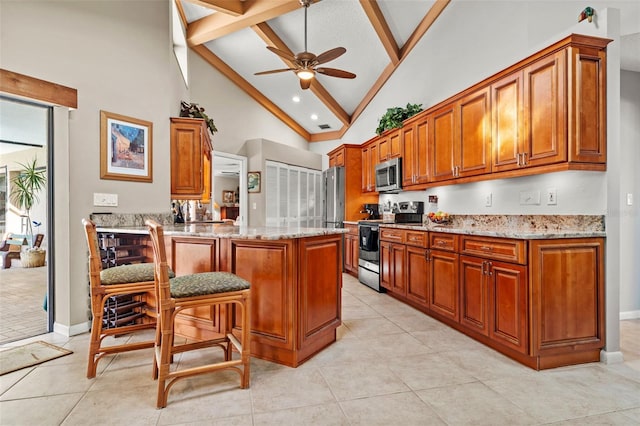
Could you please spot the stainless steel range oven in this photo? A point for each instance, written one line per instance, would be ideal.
(369, 258)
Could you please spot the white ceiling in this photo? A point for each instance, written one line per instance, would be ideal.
(331, 23)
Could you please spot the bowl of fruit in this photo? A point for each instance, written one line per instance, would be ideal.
(440, 217)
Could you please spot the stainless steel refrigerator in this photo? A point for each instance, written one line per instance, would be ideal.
(333, 198)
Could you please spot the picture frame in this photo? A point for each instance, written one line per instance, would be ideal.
(126, 145)
(228, 197)
(253, 182)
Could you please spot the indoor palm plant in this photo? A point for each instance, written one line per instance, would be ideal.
(25, 189)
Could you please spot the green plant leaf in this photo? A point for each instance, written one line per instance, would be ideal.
(394, 117)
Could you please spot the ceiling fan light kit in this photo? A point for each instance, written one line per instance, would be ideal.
(305, 62)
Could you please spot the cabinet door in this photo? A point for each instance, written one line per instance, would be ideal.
(369, 161)
(508, 121)
(587, 119)
(474, 305)
(415, 153)
(186, 159)
(390, 146)
(509, 320)
(441, 147)
(567, 295)
(417, 275)
(398, 279)
(386, 265)
(545, 111)
(409, 157)
(443, 296)
(473, 156)
(349, 260)
(421, 143)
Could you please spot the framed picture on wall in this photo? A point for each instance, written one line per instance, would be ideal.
(253, 182)
(228, 197)
(125, 148)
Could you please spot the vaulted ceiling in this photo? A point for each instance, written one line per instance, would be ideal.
(232, 36)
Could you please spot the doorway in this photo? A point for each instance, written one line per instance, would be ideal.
(229, 187)
(25, 136)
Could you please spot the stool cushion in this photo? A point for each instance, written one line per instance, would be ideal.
(125, 274)
(207, 283)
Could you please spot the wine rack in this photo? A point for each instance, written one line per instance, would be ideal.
(123, 249)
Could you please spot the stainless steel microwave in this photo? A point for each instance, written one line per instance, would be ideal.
(389, 176)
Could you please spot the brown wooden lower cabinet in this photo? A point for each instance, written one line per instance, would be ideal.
(295, 291)
(351, 250)
(541, 302)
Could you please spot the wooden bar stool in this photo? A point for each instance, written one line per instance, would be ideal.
(193, 291)
(124, 280)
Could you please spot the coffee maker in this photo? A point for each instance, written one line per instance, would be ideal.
(373, 210)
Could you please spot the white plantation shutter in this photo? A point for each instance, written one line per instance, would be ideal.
(293, 196)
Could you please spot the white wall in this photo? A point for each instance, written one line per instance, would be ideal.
(630, 215)
(117, 54)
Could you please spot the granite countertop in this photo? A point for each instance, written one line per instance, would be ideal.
(525, 227)
(228, 231)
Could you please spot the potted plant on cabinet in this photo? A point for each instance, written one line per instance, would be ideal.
(25, 190)
(393, 118)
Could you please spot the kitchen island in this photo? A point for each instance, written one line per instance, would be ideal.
(295, 276)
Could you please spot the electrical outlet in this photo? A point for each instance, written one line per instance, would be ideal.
(105, 200)
(488, 200)
(254, 206)
(552, 197)
(529, 198)
(629, 199)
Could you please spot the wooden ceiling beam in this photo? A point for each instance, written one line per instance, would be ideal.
(34, 88)
(230, 7)
(373, 12)
(237, 79)
(423, 26)
(266, 33)
(417, 34)
(217, 25)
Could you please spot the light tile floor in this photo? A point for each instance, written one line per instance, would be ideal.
(391, 365)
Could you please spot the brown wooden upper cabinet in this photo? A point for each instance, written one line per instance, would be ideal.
(369, 162)
(553, 110)
(336, 158)
(460, 142)
(190, 159)
(390, 145)
(415, 136)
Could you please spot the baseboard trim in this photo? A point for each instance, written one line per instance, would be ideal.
(611, 357)
(71, 331)
(629, 315)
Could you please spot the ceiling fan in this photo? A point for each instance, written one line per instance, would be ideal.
(306, 63)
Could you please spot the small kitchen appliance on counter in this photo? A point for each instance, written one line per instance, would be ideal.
(373, 210)
(369, 254)
(409, 212)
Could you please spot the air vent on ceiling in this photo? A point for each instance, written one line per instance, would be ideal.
(324, 126)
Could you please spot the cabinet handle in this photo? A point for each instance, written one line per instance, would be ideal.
(485, 248)
(427, 255)
(524, 158)
(482, 268)
(518, 160)
(489, 268)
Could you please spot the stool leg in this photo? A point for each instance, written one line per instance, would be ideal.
(246, 342)
(97, 308)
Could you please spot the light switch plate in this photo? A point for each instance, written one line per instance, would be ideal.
(529, 198)
(105, 200)
(488, 199)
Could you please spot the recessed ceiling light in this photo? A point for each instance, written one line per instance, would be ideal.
(296, 99)
(314, 116)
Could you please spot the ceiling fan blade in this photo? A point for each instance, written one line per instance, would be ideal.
(333, 72)
(305, 84)
(282, 53)
(330, 55)
(274, 71)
